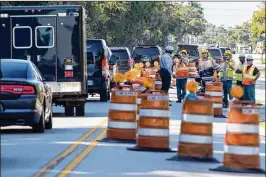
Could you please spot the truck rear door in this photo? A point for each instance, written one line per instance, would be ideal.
(33, 38)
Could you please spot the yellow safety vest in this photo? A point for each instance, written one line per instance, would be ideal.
(239, 76)
(248, 75)
(229, 71)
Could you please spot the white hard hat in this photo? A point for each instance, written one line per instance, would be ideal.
(242, 55)
(249, 57)
(169, 48)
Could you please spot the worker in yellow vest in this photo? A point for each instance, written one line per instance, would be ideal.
(226, 73)
(250, 75)
(181, 72)
(239, 69)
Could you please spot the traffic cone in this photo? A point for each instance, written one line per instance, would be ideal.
(153, 128)
(242, 145)
(195, 138)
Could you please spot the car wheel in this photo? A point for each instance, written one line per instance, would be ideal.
(49, 124)
(69, 111)
(80, 110)
(40, 127)
(104, 95)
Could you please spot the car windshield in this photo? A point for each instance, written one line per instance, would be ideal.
(191, 52)
(223, 50)
(215, 53)
(152, 51)
(14, 70)
(121, 53)
(94, 46)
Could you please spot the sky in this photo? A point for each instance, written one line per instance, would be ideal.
(228, 14)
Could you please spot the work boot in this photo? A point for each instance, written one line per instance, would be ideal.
(179, 101)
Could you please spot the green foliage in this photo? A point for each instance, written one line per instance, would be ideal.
(258, 22)
(128, 23)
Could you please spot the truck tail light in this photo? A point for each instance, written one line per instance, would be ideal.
(18, 89)
(68, 73)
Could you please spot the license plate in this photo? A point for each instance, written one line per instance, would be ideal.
(145, 59)
(90, 82)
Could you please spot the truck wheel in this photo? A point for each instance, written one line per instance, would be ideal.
(69, 111)
(104, 95)
(80, 110)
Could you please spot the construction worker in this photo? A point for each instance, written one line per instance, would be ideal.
(226, 73)
(239, 69)
(166, 64)
(181, 72)
(206, 68)
(250, 75)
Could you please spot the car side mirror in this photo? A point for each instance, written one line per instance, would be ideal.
(113, 60)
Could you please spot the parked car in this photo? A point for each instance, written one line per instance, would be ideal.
(25, 98)
(193, 52)
(125, 61)
(100, 77)
(216, 54)
(147, 53)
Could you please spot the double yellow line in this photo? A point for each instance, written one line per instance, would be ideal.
(76, 161)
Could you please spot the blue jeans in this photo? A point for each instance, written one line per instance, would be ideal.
(249, 92)
(227, 85)
(181, 86)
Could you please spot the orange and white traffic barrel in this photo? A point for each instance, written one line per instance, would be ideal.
(242, 140)
(192, 70)
(153, 128)
(153, 71)
(215, 91)
(195, 138)
(122, 114)
(139, 89)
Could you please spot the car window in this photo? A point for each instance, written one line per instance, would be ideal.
(37, 72)
(152, 51)
(94, 46)
(223, 50)
(215, 53)
(121, 53)
(191, 52)
(14, 70)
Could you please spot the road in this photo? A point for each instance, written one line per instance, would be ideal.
(71, 148)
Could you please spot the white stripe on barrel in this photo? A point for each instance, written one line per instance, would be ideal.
(154, 113)
(242, 128)
(217, 105)
(241, 150)
(122, 125)
(214, 93)
(138, 100)
(197, 118)
(158, 82)
(195, 139)
(123, 107)
(152, 132)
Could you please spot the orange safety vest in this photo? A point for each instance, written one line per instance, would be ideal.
(248, 75)
(181, 70)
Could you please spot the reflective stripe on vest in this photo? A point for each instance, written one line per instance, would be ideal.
(239, 76)
(182, 70)
(248, 75)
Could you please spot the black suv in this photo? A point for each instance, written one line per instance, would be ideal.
(192, 50)
(125, 62)
(145, 53)
(98, 61)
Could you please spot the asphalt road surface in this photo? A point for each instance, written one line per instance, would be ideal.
(71, 149)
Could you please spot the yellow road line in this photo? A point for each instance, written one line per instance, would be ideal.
(51, 164)
(79, 158)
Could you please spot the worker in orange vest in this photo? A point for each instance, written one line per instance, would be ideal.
(181, 72)
(250, 75)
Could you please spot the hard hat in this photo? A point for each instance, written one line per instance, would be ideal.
(183, 51)
(169, 48)
(204, 51)
(249, 57)
(228, 52)
(242, 55)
